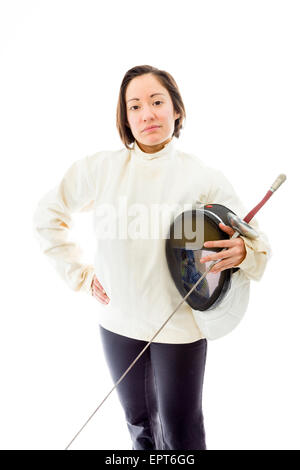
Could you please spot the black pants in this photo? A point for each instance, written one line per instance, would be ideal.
(162, 394)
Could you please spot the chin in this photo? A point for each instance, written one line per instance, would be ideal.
(154, 139)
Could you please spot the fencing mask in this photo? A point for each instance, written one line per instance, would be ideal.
(184, 249)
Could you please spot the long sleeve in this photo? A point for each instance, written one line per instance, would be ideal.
(52, 222)
(258, 251)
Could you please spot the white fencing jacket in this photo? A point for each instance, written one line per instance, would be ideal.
(130, 262)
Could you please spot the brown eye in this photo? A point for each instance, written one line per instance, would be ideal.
(136, 106)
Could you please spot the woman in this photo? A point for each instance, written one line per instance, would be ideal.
(162, 394)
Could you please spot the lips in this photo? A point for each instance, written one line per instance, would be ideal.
(151, 127)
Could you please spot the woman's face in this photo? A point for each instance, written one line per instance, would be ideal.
(144, 110)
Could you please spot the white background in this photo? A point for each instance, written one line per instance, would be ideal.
(237, 67)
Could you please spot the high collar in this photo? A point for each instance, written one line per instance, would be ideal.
(167, 152)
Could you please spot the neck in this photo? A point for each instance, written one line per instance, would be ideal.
(153, 148)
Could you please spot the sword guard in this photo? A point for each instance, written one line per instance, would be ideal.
(241, 226)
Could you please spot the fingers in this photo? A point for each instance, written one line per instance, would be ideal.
(235, 249)
(221, 243)
(224, 261)
(226, 228)
(220, 255)
(220, 267)
(98, 292)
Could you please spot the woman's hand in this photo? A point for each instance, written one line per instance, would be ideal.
(232, 257)
(99, 292)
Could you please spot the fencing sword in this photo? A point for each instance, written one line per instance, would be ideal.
(241, 227)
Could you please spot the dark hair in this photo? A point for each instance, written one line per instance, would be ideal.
(166, 81)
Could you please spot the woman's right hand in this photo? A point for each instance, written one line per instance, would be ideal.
(98, 292)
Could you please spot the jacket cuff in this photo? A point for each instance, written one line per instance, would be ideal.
(256, 258)
(248, 261)
(85, 284)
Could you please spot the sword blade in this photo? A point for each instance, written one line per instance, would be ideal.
(236, 234)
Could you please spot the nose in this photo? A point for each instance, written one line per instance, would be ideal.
(147, 113)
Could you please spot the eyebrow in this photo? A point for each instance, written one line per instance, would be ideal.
(137, 99)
